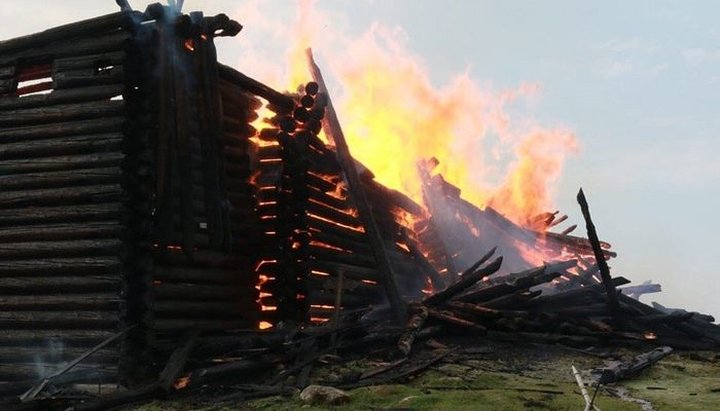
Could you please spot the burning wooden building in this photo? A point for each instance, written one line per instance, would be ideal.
(150, 193)
(139, 202)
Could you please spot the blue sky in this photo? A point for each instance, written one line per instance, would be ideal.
(638, 83)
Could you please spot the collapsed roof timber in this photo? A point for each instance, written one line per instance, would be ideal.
(144, 201)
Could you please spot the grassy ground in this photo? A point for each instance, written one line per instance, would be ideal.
(507, 377)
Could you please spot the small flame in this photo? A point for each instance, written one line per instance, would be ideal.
(649, 335)
(182, 382)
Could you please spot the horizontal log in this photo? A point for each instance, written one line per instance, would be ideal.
(59, 319)
(61, 266)
(342, 204)
(67, 128)
(469, 278)
(529, 278)
(57, 179)
(193, 292)
(7, 72)
(61, 113)
(641, 289)
(62, 196)
(517, 299)
(199, 258)
(326, 254)
(37, 285)
(74, 213)
(348, 270)
(67, 48)
(202, 309)
(88, 77)
(176, 326)
(62, 302)
(319, 224)
(451, 319)
(87, 27)
(238, 96)
(332, 214)
(564, 296)
(62, 163)
(62, 231)
(255, 87)
(200, 275)
(40, 337)
(76, 248)
(57, 355)
(349, 299)
(96, 143)
(79, 95)
(94, 61)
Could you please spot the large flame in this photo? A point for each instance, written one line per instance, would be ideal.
(393, 116)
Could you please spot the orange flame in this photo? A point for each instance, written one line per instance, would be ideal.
(393, 115)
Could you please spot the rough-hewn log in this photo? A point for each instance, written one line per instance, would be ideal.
(39, 285)
(198, 275)
(630, 368)
(417, 316)
(62, 302)
(25, 354)
(451, 319)
(59, 319)
(41, 337)
(569, 295)
(201, 309)
(67, 48)
(88, 27)
(61, 163)
(59, 196)
(600, 259)
(89, 77)
(61, 113)
(194, 292)
(74, 248)
(200, 258)
(61, 214)
(97, 62)
(61, 231)
(56, 179)
(534, 277)
(68, 128)
(255, 87)
(179, 325)
(471, 276)
(79, 95)
(349, 270)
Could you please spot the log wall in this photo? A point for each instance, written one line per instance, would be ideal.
(124, 194)
(67, 164)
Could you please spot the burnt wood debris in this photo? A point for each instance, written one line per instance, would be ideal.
(169, 225)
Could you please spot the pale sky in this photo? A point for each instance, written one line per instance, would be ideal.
(637, 82)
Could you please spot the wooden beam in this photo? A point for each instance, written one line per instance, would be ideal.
(600, 258)
(332, 128)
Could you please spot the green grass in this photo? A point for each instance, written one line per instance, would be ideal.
(510, 379)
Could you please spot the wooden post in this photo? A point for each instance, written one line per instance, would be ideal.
(332, 128)
(600, 258)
